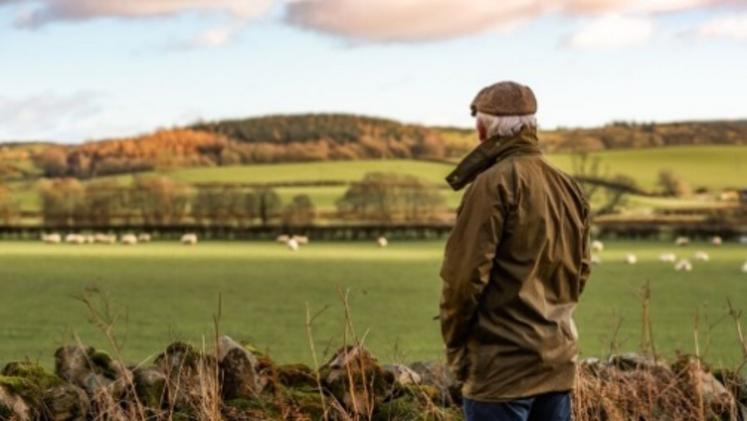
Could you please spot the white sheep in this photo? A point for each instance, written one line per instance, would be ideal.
(382, 241)
(293, 244)
(105, 238)
(301, 239)
(53, 238)
(716, 240)
(683, 265)
(189, 239)
(668, 257)
(702, 256)
(129, 239)
(596, 259)
(144, 237)
(75, 239)
(744, 267)
(631, 259)
(682, 241)
(597, 246)
(283, 239)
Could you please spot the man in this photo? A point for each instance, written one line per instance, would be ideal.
(514, 267)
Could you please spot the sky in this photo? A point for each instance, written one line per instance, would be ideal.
(77, 70)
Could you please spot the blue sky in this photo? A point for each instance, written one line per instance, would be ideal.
(74, 70)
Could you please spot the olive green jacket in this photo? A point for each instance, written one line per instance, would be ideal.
(514, 267)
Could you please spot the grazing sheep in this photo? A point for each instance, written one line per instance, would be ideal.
(105, 238)
(716, 240)
(597, 246)
(189, 239)
(668, 257)
(683, 265)
(596, 259)
(301, 239)
(702, 256)
(631, 259)
(382, 241)
(75, 239)
(293, 244)
(144, 237)
(51, 238)
(283, 239)
(682, 241)
(129, 239)
(743, 239)
(744, 267)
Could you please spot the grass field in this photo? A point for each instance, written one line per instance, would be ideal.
(165, 292)
(710, 166)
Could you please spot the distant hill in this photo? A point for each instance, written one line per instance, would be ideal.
(325, 137)
(625, 135)
(330, 136)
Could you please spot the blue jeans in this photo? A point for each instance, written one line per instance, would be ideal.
(554, 406)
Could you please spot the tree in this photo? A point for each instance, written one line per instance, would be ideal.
(269, 204)
(63, 201)
(105, 200)
(387, 197)
(8, 206)
(299, 212)
(221, 204)
(52, 161)
(672, 185)
(161, 200)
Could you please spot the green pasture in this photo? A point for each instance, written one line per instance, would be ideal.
(313, 171)
(163, 292)
(709, 166)
(714, 167)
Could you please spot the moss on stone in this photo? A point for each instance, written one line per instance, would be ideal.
(305, 401)
(413, 408)
(33, 372)
(102, 363)
(266, 407)
(24, 388)
(296, 375)
(150, 391)
(189, 355)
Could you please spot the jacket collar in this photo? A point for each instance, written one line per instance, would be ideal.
(489, 152)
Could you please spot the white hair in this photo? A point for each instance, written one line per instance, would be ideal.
(507, 125)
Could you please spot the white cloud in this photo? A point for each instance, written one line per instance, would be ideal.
(364, 20)
(216, 37)
(613, 31)
(35, 115)
(425, 20)
(42, 12)
(729, 27)
(410, 20)
(627, 6)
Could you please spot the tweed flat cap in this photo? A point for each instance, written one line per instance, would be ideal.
(505, 98)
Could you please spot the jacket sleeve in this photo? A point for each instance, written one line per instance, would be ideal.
(468, 259)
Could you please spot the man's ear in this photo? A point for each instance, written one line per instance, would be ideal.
(482, 132)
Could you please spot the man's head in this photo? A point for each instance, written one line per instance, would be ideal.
(503, 109)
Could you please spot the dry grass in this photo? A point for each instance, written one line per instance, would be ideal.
(352, 386)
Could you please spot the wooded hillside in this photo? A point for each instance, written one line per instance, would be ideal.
(322, 137)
